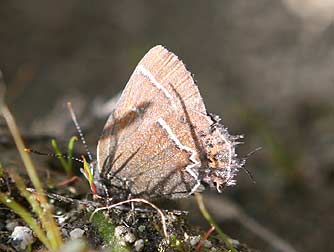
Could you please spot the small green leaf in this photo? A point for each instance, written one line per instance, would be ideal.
(70, 152)
(67, 163)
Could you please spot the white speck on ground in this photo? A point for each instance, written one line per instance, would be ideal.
(76, 233)
(22, 237)
(139, 245)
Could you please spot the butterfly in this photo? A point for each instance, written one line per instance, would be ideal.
(159, 141)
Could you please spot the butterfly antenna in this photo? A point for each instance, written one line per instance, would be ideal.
(75, 121)
(244, 161)
(251, 153)
(52, 154)
(250, 175)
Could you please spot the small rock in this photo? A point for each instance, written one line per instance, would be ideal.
(124, 234)
(64, 232)
(22, 237)
(139, 245)
(193, 240)
(130, 237)
(207, 244)
(141, 228)
(172, 218)
(11, 224)
(62, 219)
(74, 245)
(76, 233)
(120, 231)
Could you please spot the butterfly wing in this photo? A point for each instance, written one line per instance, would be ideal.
(153, 138)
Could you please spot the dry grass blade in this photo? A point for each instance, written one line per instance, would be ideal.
(47, 219)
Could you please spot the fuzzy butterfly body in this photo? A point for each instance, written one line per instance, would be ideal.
(160, 142)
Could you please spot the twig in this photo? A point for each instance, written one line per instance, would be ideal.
(163, 218)
(205, 237)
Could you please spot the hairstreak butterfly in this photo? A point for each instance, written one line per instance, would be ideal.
(159, 141)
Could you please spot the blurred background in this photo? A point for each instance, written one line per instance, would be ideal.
(265, 66)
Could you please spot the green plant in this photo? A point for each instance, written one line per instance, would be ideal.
(209, 219)
(67, 160)
(47, 231)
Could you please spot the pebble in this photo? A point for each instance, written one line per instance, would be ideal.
(22, 237)
(130, 237)
(64, 232)
(141, 228)
(124, 234)
(62, 218)
(120, 231)
(139, 245)
(10, 225)
(193, 240)
(76, 233)
(207, 244)
(74, 245)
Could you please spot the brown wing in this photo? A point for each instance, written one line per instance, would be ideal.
(154, 134)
